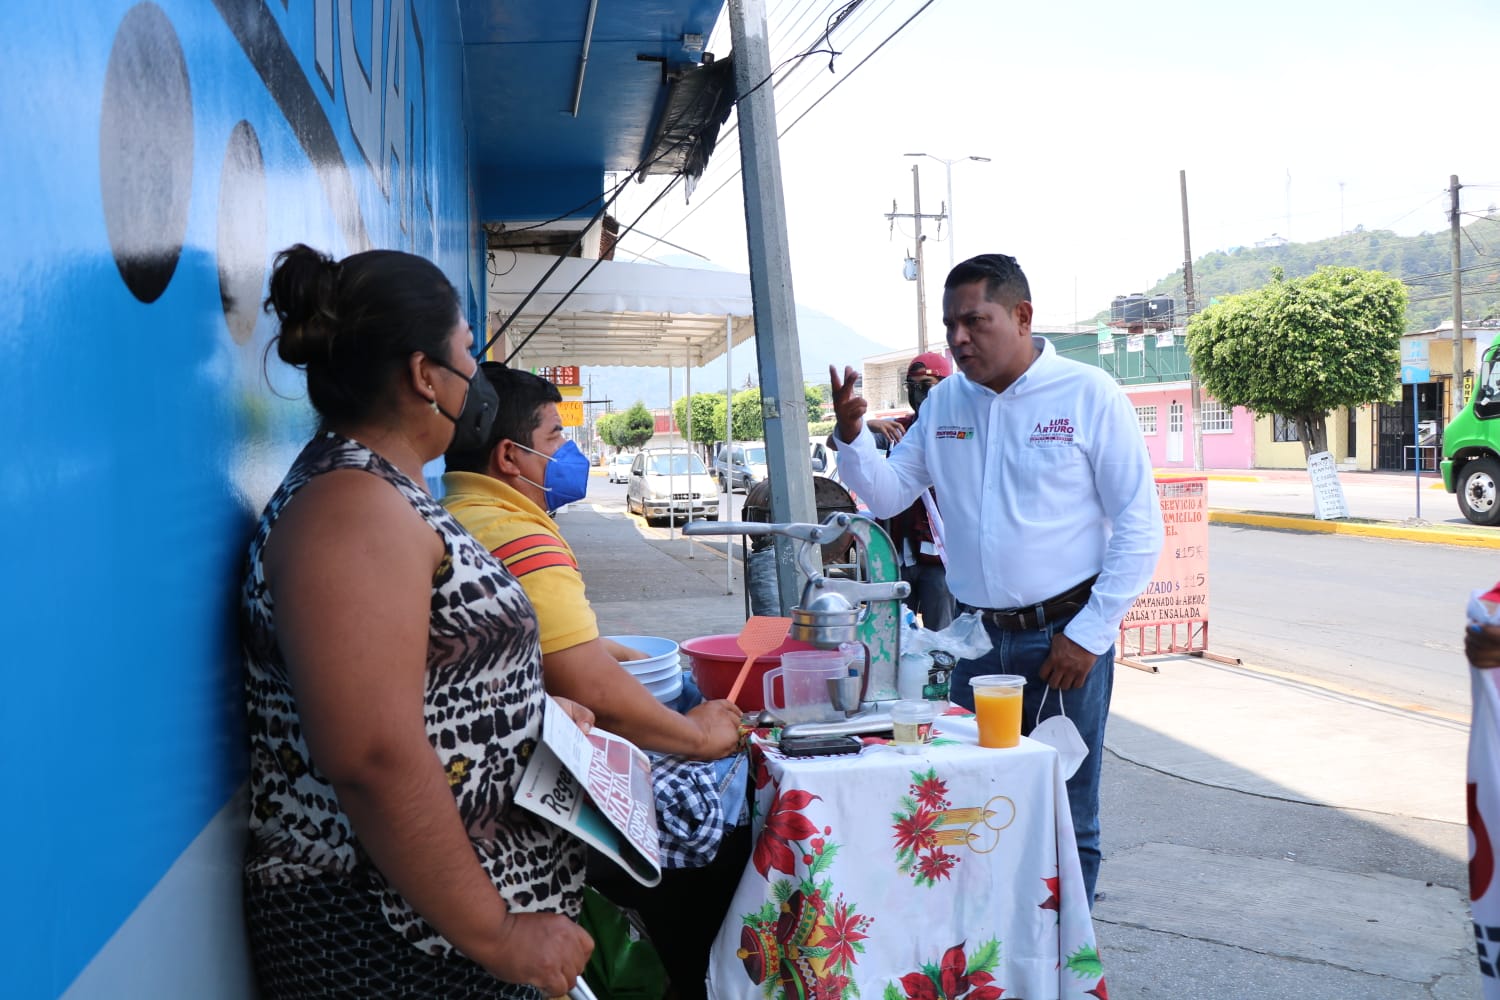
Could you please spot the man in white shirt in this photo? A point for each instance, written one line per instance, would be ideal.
(1052, 526)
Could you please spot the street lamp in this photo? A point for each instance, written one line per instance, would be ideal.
(948, 167)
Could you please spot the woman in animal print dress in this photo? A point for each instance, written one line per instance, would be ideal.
(392, 675)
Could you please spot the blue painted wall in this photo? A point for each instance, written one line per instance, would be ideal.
(157, 155)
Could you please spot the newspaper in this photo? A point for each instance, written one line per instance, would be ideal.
(598, 788)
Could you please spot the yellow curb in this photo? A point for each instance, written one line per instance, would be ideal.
(1478, 538)
(1215, 476)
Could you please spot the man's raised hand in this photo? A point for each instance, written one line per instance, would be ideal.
(848, 409)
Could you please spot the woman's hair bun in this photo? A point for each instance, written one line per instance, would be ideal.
(302, 295)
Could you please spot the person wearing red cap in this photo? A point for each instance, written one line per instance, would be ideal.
(917, 535)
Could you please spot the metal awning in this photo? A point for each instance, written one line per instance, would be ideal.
(623, 314)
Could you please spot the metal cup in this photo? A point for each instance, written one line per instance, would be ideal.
(844, 693)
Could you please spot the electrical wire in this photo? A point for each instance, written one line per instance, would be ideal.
(619, 188)
(645, 164)
(569, 293)
(704, 200)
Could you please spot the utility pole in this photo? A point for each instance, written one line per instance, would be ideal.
(948, 205)
(1458, 304)
(916, 210)
(916, 214)
(783, 404)
(1195, 390)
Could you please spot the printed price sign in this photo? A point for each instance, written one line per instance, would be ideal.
(1178, 591)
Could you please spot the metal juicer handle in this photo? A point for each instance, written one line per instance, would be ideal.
(800, 532)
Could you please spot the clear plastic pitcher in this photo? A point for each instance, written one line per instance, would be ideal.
(804, 676)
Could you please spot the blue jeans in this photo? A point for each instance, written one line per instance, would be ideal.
(1088, 707)
(929, 595)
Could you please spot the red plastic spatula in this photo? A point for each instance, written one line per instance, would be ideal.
(760, 635)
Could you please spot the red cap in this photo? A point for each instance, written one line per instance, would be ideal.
(928, 363)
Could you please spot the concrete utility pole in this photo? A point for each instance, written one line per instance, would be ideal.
(916, 214)
(1458, 303)
(948, 205)
(1195, 390)
(783, 403)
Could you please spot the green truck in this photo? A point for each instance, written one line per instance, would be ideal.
(1471, 447)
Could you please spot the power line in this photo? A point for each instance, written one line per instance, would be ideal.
(899, 28)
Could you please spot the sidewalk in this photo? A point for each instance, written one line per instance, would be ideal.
(1381, 505)
(1265, 837)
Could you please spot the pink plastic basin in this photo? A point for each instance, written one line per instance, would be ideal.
(716, 661)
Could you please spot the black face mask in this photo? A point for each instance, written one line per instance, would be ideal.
(916, 394)
(476, 418)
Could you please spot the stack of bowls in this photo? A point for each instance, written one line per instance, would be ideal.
(660, 671)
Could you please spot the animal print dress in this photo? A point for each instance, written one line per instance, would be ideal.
(322, 919)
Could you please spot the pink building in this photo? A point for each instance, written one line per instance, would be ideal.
(1164, 413)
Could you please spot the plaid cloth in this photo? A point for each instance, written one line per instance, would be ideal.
(697, 802)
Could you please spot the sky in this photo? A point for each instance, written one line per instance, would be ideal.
(1300, 119)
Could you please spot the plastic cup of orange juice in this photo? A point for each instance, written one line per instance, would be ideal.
(997, 707)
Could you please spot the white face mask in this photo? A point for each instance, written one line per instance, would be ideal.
(1060, 734)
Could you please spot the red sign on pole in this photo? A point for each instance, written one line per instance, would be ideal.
(558, 374)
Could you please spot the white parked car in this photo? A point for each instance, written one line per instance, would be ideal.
(619, 468)
(664, 484)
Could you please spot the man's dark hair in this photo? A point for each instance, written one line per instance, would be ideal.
(1004, 282)
(522, 396)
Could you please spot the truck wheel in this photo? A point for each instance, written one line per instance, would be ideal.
(1479, 491)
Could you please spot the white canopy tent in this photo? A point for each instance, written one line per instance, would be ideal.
(622, 314)
(642, 315)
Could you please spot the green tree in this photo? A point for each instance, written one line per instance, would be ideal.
(748, 423)
(637, 426)
(608, 429)
(814, 392)
(708, 416)
(1303, 347)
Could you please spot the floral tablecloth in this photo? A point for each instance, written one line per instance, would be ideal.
(950, 874)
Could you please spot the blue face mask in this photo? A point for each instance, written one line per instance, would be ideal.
(567, 479)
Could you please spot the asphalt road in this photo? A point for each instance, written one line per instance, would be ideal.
(1381, 619)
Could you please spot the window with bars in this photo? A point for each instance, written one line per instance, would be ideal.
(1284, 428)
(1174, 418)
(1145, 416)
(1217, 418)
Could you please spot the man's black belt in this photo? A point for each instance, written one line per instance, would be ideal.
(1036, 616)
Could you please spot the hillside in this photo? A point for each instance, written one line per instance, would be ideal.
(1423, 262)
(823, 339)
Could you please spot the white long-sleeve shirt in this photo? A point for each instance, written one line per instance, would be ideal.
(1044, 485)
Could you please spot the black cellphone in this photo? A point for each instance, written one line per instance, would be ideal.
(820, 746)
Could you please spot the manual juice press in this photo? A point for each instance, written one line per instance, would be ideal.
(835, 611)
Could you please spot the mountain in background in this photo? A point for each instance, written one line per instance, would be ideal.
(1423, 262)
(824, 341)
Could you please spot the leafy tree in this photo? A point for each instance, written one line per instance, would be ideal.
(813, 392)
(1303, 347)
(708, 416)
(608, 429)
(636, 427)
(748, 423)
